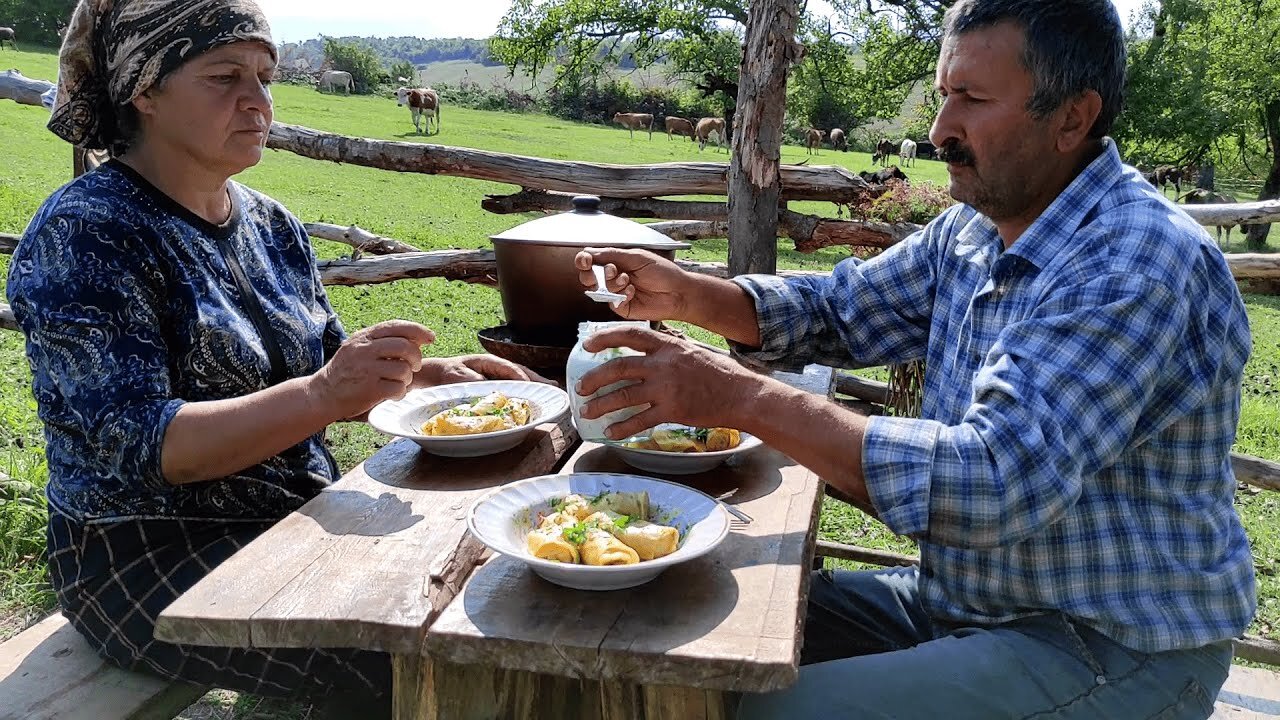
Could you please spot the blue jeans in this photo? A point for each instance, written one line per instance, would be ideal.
(870, 651)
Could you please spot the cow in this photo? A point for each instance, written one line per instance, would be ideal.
(1201, 196)
(1163, 175)
(813, 140)
(680, 126)
(711, 129)
(838, 141)
(334, 79)
(880, 177)
(926, 150)
(423, 103)
(635, 121)
(7, 35)
(884, 149)
(907, 152)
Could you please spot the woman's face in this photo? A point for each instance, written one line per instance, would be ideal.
(216, 108)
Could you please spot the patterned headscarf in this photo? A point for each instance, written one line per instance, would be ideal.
(116, 49)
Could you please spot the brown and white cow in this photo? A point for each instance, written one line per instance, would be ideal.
(884, 149)
(711, 129)
(813, 140)
(838, 141)
(422, 102)
(680, 126)
(635, 121)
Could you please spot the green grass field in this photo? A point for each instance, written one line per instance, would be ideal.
(435, 212)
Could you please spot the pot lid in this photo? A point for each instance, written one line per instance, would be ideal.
(586, 226)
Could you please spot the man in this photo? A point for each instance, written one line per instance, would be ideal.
(1069, 481)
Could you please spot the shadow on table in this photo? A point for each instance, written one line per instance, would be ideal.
(403, 464)
(351, 512)
(749, 477)
(507, 601)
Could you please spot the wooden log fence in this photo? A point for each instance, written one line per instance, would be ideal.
(359, 238)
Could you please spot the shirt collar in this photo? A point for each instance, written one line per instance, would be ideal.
(1051, 233)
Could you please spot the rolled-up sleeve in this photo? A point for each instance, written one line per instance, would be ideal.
(864, 313)
(1059, 397)
(89, 301)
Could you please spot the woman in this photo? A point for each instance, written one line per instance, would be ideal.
(186, 360)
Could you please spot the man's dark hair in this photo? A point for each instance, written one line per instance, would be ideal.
(1071, 46)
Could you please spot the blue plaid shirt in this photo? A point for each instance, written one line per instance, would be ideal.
(1081, 396)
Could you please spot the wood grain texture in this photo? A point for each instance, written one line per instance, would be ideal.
(21, 89)
(359, 238)
(740, 608)
(48, 671)
(7, 320)
(366, 564)
(835, 184)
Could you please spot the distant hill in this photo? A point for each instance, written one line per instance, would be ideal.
(419, 51)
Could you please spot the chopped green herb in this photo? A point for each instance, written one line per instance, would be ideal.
(622, 521)
(556, 503)
(600, 497)
(577, 534)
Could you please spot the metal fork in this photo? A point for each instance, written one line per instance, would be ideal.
(744, 518)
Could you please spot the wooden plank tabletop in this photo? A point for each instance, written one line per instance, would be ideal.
(730, 620)
(366, 564)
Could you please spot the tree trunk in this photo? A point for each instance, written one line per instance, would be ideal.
(754, 179)
(1256, 235)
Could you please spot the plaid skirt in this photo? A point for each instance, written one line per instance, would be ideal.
(113, 579)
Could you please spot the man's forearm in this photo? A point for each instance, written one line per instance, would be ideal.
(811, 430)
(722, 307)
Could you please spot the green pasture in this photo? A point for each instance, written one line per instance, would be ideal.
(436, 212)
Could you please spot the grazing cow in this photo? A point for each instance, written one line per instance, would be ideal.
(880, 177)
(334, 79)
(423, 103)
(711, 128)
(1201, 196)
(680, 126)
(6, 35)
(907, 152)
(1162, 176)
(813, 140)
(884, 148)
(635, 121)
(838, 141)
(926, 150)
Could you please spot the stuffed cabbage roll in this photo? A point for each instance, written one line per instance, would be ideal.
(649, 540)
(549, 544)
(601, 548)
(634, 504)
(723, 439)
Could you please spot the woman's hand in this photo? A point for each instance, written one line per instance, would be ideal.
(680, 382)
(656, 288)
(374, 364)
(466, 368)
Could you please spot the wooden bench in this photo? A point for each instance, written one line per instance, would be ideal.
(49, 671)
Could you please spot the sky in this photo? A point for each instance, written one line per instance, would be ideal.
(297, 20)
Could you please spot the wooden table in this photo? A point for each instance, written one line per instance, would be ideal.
(368, 563)
(374, 561)
(514, 645)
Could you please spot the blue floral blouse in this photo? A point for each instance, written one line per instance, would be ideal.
(130, 310)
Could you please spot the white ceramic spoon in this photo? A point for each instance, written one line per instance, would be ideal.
(601, 293)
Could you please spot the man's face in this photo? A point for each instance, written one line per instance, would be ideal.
(995, 150)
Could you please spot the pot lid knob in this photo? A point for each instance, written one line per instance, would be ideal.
(586, 204)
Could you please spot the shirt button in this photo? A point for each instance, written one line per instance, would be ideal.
(1101, 679)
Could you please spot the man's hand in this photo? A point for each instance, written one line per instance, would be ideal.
(656, 288)
(374, 364)
(680, 382)
(467, 368)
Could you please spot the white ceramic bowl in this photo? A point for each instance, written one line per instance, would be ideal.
(673, 463)
(503, 519)
(404, 417)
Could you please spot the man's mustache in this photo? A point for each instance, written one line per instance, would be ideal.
(955, 154)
